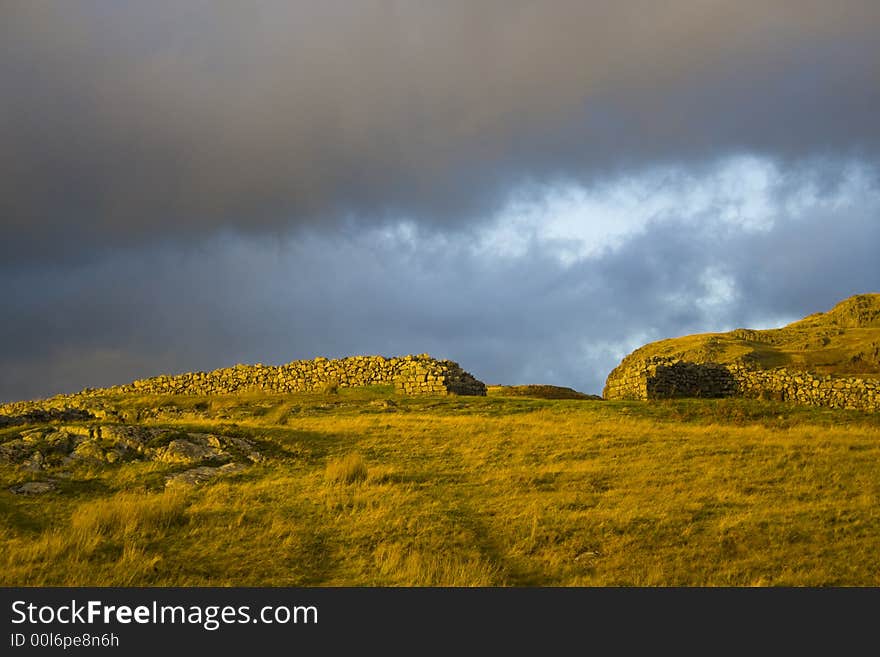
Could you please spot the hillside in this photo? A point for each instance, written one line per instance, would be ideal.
(844, 341)
(311, 474)
(365, 487)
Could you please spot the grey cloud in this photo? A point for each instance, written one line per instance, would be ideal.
(508, 319)
(128, 123)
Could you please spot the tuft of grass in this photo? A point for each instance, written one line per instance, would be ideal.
(128, 514)
(105, 542)
(419, 568)
(349, 469)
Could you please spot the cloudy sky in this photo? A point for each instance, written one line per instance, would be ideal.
(532, 189)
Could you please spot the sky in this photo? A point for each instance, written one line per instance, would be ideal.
(531, 189)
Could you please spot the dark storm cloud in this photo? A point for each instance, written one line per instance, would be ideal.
(190, 185)
(124, 123)
(523, 318)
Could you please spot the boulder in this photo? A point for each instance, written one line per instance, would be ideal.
(185, 451)
(202, 474)
(33, 488)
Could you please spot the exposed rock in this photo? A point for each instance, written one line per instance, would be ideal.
(33, 488)
(32, 413)
(39, 448)
(57, 441)
(185, 451)
(131, 437)
(34, 463)
(15, 451)
(77, 430)
(256, 457)
(34, 435)
(201, 474)
(88, 450)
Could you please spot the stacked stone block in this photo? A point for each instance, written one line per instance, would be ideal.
(663, 378)
(683, 379)
(413, 375)
(431, 377)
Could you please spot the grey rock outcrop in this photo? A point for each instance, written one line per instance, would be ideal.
(46, 447)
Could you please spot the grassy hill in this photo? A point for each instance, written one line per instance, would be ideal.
(843, 341)
(365, 487)
(538, 392)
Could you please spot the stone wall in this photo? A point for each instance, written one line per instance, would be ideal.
(425, 376)
(412, 375)
(660, 378)
(805, 388)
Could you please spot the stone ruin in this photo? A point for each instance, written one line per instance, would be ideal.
(411, 375)
(665, 378)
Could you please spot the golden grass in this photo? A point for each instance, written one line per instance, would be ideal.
(113, 532)
(346, 470)
(476, 492)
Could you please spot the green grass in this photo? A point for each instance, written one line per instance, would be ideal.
(362, 487)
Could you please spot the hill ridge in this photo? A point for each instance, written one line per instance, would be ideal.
(795, 362)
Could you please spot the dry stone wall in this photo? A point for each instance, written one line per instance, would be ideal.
(409, 374)
(425, 376)
(412, 375)
(661, 378)
(805, 388)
